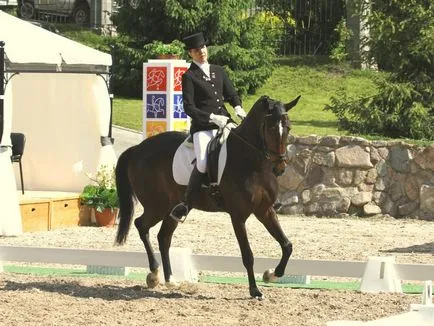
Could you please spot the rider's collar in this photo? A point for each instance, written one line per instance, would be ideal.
(204, 67)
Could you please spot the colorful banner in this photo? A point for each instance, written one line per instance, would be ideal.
(178, 108)
(162, 97)
(156, 78)
(155, 127)
(156, 106)
(177, 80)
(181, 125)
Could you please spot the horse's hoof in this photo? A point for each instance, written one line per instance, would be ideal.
(257, 295)
(172, 285)
(269, 276)
(152, 280)
(261, 297)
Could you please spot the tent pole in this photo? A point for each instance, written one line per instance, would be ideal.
(111, 107)
(2, 87)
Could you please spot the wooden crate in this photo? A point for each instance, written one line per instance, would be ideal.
(42, 211)
(65, 213)
(35, 215)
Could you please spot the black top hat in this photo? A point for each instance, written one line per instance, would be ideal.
(194, 41)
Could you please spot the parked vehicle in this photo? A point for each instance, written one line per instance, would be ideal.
(77, 10)
(8, 3)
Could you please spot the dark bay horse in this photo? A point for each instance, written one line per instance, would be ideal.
(256, 154)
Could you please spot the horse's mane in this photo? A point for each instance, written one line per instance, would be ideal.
(256, 113)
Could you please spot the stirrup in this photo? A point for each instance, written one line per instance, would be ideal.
(184, 216)
(277, 206)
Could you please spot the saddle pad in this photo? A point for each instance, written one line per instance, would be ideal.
(183, 164)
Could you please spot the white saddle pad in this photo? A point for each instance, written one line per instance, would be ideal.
(183, 164)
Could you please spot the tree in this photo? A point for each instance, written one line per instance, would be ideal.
(248, 51)
(167, 20)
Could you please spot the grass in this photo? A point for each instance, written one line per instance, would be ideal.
(314, 78)
(128, 113)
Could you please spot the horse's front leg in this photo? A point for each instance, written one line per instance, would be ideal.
(271, 223)
(247, 255)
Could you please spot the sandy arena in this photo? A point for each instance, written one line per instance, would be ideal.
(39, 300)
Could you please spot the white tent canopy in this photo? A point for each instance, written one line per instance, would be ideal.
(57, 95)
(31, 47)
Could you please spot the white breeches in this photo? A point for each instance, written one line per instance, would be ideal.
(200, 141)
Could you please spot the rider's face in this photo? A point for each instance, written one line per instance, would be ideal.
(200, 54)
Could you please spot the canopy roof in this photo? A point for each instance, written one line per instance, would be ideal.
(32, 48)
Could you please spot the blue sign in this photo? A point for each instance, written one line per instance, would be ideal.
(178, 107)
(156, 106)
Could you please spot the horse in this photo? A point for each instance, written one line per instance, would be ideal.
(256, 155)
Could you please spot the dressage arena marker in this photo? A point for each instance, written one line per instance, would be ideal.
(107, 270)
(380, 276)
(186, 265)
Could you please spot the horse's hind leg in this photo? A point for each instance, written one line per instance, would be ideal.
(271, 223)
(143, 224)
(165, 234)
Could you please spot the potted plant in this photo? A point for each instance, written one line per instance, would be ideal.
(160, 50)
(102, 196)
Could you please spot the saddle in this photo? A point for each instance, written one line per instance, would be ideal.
(184, 161)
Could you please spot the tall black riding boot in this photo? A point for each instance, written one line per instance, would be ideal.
(182, 208)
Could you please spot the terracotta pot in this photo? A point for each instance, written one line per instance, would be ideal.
(107, 217)
(167, 56)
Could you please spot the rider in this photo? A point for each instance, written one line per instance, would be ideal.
(204, 89)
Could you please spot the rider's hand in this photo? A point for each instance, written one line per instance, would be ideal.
(240, 112)
(219, 120)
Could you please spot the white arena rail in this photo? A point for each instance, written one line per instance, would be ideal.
(420, 315)
(351, 269)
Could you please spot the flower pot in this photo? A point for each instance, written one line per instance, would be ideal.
(167, 56)
(107, 217)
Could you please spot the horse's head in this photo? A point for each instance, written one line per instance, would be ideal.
(274, 131)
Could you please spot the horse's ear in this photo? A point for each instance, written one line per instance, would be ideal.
(290, 105)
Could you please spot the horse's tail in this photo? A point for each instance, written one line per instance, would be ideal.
(125, 195)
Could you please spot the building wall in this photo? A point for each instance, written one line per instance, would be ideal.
(340, 176)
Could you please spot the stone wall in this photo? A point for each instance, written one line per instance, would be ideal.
(340, 176)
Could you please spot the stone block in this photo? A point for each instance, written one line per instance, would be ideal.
(427, 199)
(371, 209)
(353, 157)
(361, 198)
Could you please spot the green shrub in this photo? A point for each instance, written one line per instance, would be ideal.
(397, 111)
(402, 42)
(339, 51)
(157, 48)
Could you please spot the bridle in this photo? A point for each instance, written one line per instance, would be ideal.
(276, 157)
(280, 155)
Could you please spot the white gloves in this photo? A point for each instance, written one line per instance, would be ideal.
(240, 112)
(219, 120)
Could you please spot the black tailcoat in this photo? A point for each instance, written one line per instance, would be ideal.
(203, 95)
